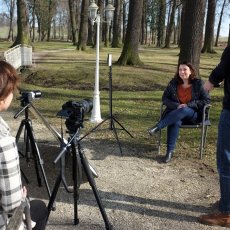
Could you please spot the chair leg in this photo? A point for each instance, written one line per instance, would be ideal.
(203, 140)
(205, 134)
(159, 142)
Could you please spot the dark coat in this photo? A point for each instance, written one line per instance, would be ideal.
(200, 97)
(222, 72)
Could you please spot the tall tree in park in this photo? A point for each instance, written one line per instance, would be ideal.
(170, 25)
(229, 36)
(11, 7)
(209, 28)
(73, 4)
(192, 31)
(22, 24)
(219, 23)
(143, 39)
(116, 39)
(83, 32)
(130, 55)
(45, 10)
(161, 22)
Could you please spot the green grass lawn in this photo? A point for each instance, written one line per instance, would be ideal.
(68, 74)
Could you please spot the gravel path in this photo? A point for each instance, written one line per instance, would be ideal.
(138, 192)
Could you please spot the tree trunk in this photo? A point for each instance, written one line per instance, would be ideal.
(219, 23)
(130, 55)
(209, 28)
(72, 12)
(170, 24)
(83, 32)
(161, 22)
(116, 40)
(22, 24)
(124, 21)
(51, 10)
(143, 25)
(11, 7)
(192, 31)
(33, 21)
(178, 26)
(229, 35)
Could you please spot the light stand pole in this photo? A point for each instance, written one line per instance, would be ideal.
(95, 18)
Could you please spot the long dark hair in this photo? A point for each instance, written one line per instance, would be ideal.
(192, 75)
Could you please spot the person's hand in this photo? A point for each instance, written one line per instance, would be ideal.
(208, 86)
(24, 192)
(182, 106)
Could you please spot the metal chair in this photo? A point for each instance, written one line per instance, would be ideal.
(203, 126)
(17, 217)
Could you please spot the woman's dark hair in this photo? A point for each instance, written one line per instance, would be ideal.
(192, 75)
(9, 79)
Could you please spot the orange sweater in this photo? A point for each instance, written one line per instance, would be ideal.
(184, 94)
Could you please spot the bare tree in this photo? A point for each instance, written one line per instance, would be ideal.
(171, 23)
(219, 23)
(192, 31)
(83, 32)
(209, 28)
(22, 24)
(116, 39)
(73, 11)
(229, 35)
(11, 7)
(130, 55)
(161, 22)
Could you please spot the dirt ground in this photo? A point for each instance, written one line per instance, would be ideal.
(137, 191)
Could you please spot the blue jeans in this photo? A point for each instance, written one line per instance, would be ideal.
(172, 121)
(223, 160)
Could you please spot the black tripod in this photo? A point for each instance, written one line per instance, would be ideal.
(30, 144)
(79, 164)
(111, 118)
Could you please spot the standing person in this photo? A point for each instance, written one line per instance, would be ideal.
(11, 191)
(219, 74)
(184, 98)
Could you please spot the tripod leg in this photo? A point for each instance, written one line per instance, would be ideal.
(92, 130)
(18, 134)
(33, 147)
(53, 195)
(76, 182)
(19, 130)
(24, 176)
(94, 188)
(122, 126)
(37, 158)
(115, 133)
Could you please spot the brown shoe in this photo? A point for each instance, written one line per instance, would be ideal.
(218, 219)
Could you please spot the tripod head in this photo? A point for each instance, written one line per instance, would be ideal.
(74, 113)
(26, 99)
(28, 96)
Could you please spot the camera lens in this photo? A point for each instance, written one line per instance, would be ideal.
(87, 105)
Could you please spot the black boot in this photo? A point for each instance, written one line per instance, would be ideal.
(168, 157)
(153, 130)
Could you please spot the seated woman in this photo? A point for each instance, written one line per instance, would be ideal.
(184, 98)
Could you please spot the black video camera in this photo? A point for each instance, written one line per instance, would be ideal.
(27, 96)
(74, 112)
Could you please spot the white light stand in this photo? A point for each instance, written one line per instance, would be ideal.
(95, 18)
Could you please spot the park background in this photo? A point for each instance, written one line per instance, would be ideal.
(62, 72)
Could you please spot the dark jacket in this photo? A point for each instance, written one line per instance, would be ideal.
(199, 97)
(222, 72)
